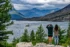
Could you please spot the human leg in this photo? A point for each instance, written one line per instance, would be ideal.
(50, 40)
(55, 40)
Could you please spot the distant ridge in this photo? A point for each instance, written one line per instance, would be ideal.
(62, 13)
(17, 15)
(65, 10)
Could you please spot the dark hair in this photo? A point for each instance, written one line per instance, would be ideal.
(56, 27)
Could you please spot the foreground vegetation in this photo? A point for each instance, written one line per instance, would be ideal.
(38, 36)
(5, 7)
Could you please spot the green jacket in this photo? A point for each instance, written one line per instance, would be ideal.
(50, 30)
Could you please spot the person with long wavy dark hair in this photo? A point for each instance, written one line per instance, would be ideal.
(56, 34)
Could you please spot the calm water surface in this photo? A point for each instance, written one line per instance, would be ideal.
(19, 26)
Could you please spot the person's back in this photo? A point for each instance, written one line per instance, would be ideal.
(56, 34)
(50, 32)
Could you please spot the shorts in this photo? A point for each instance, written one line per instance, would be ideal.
(50, 35)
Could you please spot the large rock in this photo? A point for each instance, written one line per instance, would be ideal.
(40, 45)
(24, 44)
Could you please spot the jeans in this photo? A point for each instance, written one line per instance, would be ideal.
(56, 39)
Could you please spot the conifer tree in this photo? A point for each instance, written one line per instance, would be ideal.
(25, 36)
(68, 31)
(68, 35)
(67, 41)
(15, 41)
(32, 36)
(5, 7)
(40, 34)
(62, 36)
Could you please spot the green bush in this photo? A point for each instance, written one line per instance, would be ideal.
(34, 43)
(46, 41)
(62, 36)
(65, 45)
(53, 41)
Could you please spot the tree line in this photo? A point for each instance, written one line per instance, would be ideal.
(37, 37)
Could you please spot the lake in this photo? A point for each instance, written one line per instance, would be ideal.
(19, 26)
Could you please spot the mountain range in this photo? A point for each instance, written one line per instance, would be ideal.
(35, 12)
(39, 15)
(16, 15)
(29, 13)
(61, 12)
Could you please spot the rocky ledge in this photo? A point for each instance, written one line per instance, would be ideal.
(25, 44)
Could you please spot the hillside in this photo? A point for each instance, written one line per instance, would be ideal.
(64, 11)
(61, 12)
(35, 12)
(15, 15)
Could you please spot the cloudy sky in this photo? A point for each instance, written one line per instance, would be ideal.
(39, 4)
